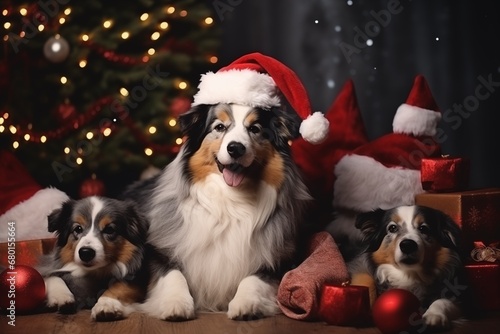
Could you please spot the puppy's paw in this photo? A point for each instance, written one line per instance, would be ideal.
(436, 320)
(254, 299)
(441, 313)
(58, 296)
(108, 309)
(170, 299)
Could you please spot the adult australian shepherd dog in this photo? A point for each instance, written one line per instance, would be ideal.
(224, 214)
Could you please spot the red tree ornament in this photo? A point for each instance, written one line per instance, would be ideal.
(92, 187)
(396, 310)
(179, 105)
(22, 289)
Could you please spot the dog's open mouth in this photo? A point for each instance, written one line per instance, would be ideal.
(409, 260)
(233, 174)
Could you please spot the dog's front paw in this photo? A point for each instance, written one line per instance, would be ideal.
(58, 296)
(170, 299)
(441, 313)
(108, 309)
(436, 320)
(254, 299)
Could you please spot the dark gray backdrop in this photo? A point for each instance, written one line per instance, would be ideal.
(454, 44)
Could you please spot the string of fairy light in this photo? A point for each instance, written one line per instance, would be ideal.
(90, 40)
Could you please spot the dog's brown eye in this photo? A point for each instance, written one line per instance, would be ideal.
(254, 129)
(77, 229)
(424, 229)
(109, 229)
(393, 228)
(220, 127)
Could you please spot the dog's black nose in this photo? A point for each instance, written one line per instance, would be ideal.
(235, 149)
(86, 254)
(408, 246)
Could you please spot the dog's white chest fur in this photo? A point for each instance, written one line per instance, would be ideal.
(217, 244)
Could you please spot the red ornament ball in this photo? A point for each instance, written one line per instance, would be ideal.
(22, 289)
(396, 310)
(179, 105)
(92, 187)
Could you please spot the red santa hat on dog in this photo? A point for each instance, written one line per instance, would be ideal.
(386, 172)
(260, 81)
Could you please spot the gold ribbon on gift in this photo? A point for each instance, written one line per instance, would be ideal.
(489, 253)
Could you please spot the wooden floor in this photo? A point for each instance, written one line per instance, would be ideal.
(213, 323)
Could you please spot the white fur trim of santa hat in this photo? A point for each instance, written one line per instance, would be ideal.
(364, 184)
(246, 87)
(416, 121)
(30, 216)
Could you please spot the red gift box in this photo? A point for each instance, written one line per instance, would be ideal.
(477, 212)
(345, 305)
(444, 174)
(484, 282)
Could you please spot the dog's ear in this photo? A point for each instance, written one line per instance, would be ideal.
(449, 232)
(58, 218)
(193, 124)
(286, 123)
(194, 120)
(369, 222)
(58, 222)
(137, 223)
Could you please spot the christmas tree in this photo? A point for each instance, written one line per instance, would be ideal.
(93, 88)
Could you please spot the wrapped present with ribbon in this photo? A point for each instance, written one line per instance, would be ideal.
(477, 212)
(490, 253)
(444, 174)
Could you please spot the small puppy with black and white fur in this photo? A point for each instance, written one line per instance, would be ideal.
(408, 247)
(99, 258)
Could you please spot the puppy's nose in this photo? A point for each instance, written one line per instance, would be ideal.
(86, 254)
(408, 246)
(236, 149)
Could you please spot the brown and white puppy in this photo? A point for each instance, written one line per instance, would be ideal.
(412, 248)
(98, 258)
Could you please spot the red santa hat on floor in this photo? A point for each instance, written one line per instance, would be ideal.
(386, 172)
(24, 202)
(346, 133)
(260, 81)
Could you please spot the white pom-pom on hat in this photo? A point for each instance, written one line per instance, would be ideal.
(314, 128)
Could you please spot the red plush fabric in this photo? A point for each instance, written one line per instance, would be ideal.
(299, 292)
(16, 183)
(400, 150)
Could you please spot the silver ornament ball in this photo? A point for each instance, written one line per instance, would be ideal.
(56, 49)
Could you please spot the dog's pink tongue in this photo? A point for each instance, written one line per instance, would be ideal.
(232, 179)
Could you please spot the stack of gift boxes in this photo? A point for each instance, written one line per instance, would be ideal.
(477, 212)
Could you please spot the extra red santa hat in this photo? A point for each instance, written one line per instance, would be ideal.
(260, 81)
(386, 172)
(346, 133)
(24, 202)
